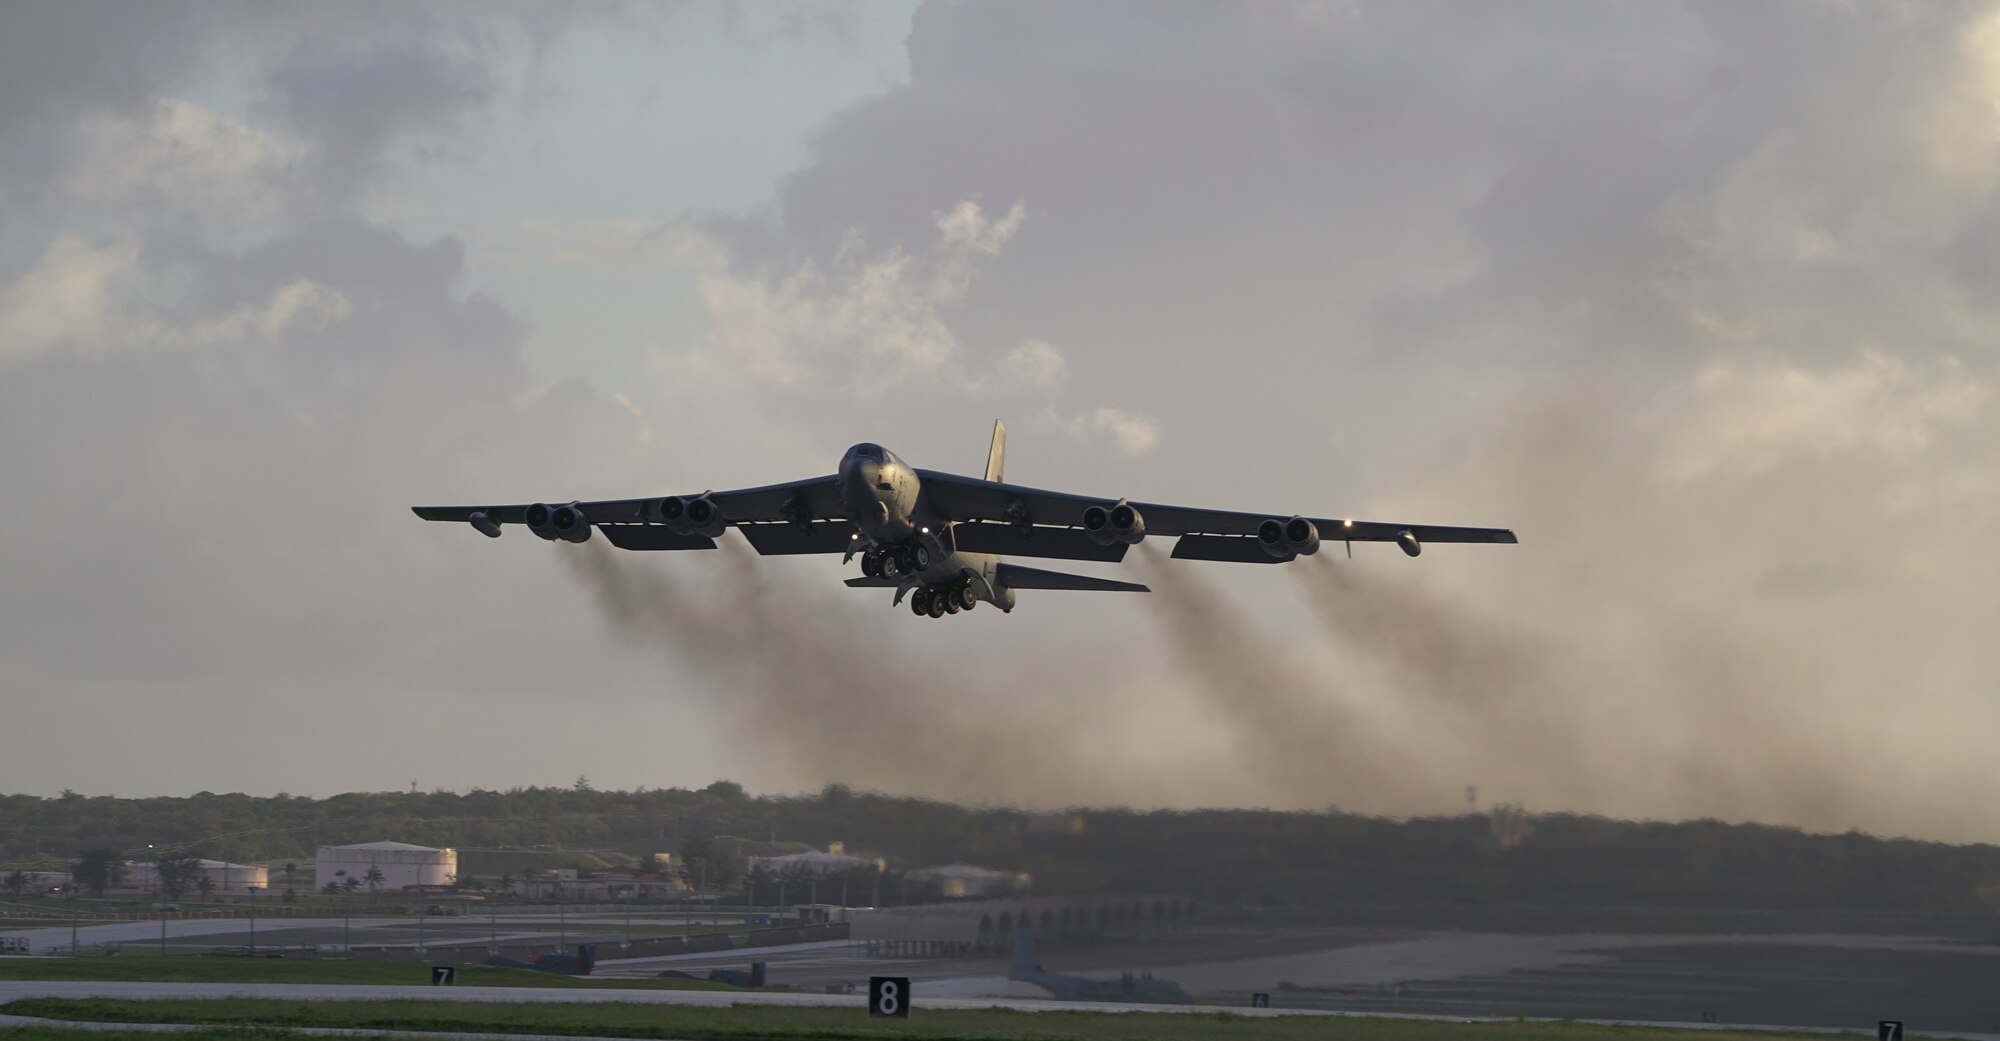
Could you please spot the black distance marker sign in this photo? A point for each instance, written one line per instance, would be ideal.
(1889, 1030)
(443, 975)
(889, 996)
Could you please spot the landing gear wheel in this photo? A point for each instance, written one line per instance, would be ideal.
(951, 604)
(920, 556)
(871, 564)
(937, 606)
(903, 562)
(920, 603)
(890, 565)
(966, 596)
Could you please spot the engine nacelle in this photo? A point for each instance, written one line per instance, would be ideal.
(1097, 525)
(672, 512)
(1127, 525)
(704, 517)
(1271, 536)
(538, 516)
(568, 522)
(1119, 523)
(1302, 536)
(484, 524)
(1408, 540)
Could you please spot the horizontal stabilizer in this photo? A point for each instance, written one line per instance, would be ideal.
(777, 540)
(652, 536)
(1014, 576)
(865, 582)
(1234, 548)
(1054, 543)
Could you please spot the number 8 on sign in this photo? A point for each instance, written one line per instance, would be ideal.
(889, 996)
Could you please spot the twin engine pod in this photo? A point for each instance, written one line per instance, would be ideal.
(689, 516)
(559, 522)
(1297, 537)
(1120, 523)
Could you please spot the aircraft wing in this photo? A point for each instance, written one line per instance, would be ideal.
(800, 508)
(969, 498)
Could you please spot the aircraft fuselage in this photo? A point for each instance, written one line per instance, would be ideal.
(884, 498)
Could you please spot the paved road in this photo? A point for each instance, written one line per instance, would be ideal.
(11, 990)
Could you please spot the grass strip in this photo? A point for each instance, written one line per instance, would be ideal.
(309, 970)
(743, 1022)
(83, 1033)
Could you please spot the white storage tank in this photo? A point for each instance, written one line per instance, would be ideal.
(231, 878)
(402, 865)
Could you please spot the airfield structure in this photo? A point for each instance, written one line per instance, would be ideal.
(402, 865)
(973, 927)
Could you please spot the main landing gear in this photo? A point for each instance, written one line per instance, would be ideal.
(940, 600)
(894, 561)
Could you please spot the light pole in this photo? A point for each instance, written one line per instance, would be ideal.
(253, 919)
(562, 922)
(74, 910)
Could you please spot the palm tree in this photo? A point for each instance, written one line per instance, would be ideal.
(506, 881)
(291, 869)
(16, 882)
(374, 878)
(331, 888)
(205, 884)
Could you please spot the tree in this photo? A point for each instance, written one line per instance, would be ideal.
(290, 872)
(331, 888)
(374, 878)
(506, 881)
(16, 882)
(291, 895)
(176, 875)
(205, 884)
(98, 870)
(351, 884)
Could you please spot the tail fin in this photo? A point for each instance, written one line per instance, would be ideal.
(996, 455)
(1026, 965)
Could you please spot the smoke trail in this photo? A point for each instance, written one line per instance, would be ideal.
(832, 697)
(1691, 726)
(1294, 733)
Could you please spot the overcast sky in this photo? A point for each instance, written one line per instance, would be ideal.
(1697, 297)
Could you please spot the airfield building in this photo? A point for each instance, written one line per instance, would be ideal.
(402, 865)
(227, 877)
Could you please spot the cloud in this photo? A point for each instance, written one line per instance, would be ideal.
(174, 155)
(1035, 364)
(867, 324)
(1744, 419)
(1132, 434)
(96, 298)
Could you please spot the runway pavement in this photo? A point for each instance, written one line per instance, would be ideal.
(12, 990)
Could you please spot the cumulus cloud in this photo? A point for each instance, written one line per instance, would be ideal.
(93, 298)
(172, 154)
(1746, 418)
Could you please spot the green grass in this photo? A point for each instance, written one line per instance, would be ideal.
(308, 970)
(79, 1033)
(784, 1023)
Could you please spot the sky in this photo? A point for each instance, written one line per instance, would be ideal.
(1697, 297)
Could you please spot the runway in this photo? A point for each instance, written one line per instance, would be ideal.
(16, 990)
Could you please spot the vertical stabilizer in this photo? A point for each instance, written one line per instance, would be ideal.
(1026, 966)
(997, 455)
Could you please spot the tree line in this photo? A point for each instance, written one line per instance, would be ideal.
(1217, 856)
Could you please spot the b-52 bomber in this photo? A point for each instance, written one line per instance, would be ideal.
(938, 538)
